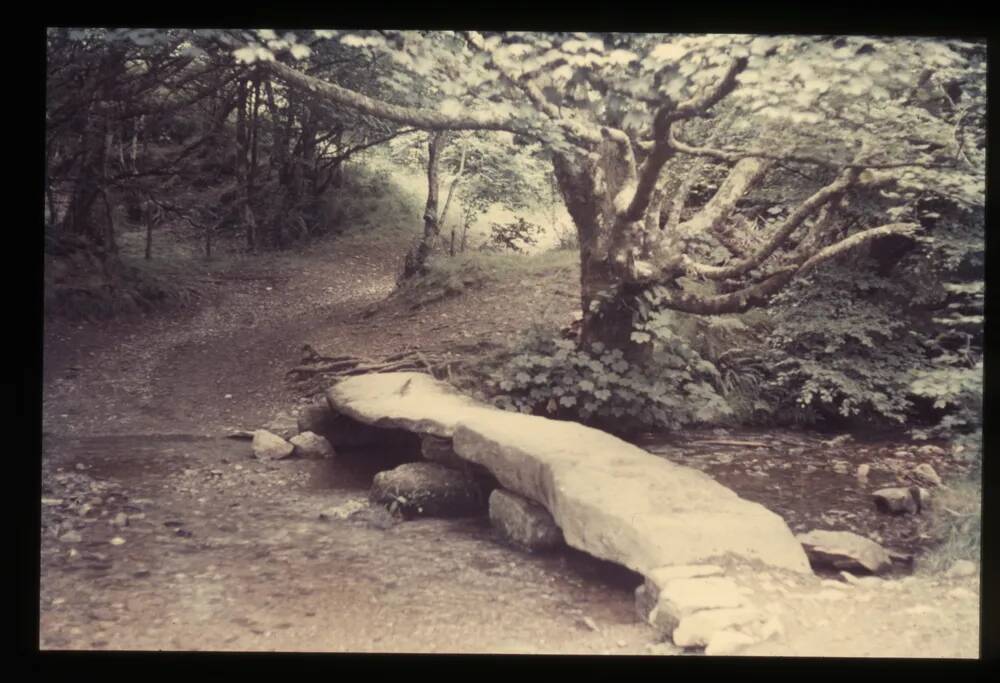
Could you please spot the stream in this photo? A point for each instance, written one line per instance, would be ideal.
(180, 542)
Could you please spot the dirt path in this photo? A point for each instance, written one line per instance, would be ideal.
(183, 542)
(223, 364)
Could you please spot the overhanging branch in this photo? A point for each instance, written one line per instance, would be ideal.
(426, 119)
(759, 293)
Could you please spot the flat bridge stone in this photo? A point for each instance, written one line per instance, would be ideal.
(610, 498)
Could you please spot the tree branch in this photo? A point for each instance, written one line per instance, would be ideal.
(698, 105)
(662, 149)
(854, 241)
(759, 293)
(824, 195)
(426, 119)
(742, 177)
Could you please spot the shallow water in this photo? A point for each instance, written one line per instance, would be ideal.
(809, 483)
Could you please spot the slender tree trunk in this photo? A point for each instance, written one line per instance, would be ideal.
(136, 127)
(416, 259)
(109, 226)
(252, 172)
(149, 238)
(241, 171)
(451, 189)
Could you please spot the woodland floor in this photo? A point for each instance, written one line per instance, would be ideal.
(224, 552)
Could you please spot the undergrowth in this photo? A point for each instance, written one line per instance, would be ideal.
(955, 525)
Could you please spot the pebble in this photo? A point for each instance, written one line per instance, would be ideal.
(590, 623)
(71, 537)
(52, 501)
(117, 540)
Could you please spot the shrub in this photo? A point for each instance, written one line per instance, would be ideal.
(514, 236)
(598, 386)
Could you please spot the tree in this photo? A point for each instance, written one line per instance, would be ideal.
(615, 110)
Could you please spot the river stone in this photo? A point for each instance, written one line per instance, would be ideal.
(927, 475)
(427, 489)
(437, 449)
(680, 598)
(611, 499)
(696, 630)
(310, 445)
(895, 500)
(270, 446)
(844, 550)
(522, 522)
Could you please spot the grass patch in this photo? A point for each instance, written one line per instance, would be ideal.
(956, 524)
(371, 204)
(449, 276)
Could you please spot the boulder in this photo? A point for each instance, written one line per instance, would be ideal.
(844, 550)
(427, 489)
(310, 445)
(648, 592)
(897, 500)
(680, 598)
(610, 498)
(522, 522)
(696, 630)
(270, 446)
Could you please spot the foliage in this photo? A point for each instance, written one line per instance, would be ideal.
(516, 236)
(599, 386)
(893, 337)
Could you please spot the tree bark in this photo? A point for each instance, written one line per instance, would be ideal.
(416, 259)
(91, 180)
